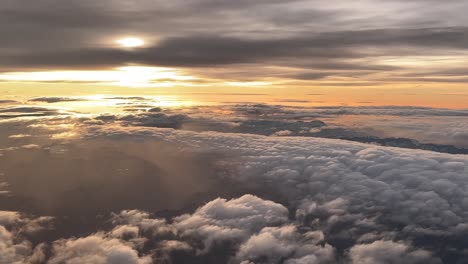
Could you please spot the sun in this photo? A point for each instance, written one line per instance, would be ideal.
(131, 42)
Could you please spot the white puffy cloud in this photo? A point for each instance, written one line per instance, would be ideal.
(14, 248)
(23, 224)
(135, 220)
(285, 245)
(388, 252)
(174, 245)
(253, 227)
(11, 252)
(123, 231)
(35, 225)
(95, 249)
(234, 222)
(8, 217)
(231, 221)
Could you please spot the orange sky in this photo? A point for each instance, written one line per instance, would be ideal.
(451, 96)
(289, 52)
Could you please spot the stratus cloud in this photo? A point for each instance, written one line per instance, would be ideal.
(407, 129)
(7, 102)
(56, 99)
(29, 111)
(324, 111)
(318, 41)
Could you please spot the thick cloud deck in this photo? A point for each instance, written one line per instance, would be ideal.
(354, 193)
(305, 200)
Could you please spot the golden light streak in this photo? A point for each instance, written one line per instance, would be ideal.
(424, 61)
(130, 76)
(248, 84)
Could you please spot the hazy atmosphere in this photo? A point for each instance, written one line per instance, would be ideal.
(238, 132)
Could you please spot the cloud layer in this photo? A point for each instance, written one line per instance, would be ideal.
(171, 186)
(303, 40)
(355, 194)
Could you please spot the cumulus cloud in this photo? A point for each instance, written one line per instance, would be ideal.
(8, 217)
(24, 225)
(15, 248)
(136, 220)
(238, 225)
(14, 252)
(352, 192)
(247, 228)
(306, 200)
(285, 245)
(95, 249)
(230, 221)
(383, 252)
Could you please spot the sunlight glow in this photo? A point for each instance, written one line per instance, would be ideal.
(90, 105)
(248, 84)
(423, 61)
(131, 42)
(130, 76)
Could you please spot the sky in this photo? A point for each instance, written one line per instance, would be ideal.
(362, 50)
(237, 132)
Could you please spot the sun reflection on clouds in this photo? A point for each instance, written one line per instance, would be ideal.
(416, 62)
(65, 135)
(151, 101)
(115, 103)
(129, 76)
